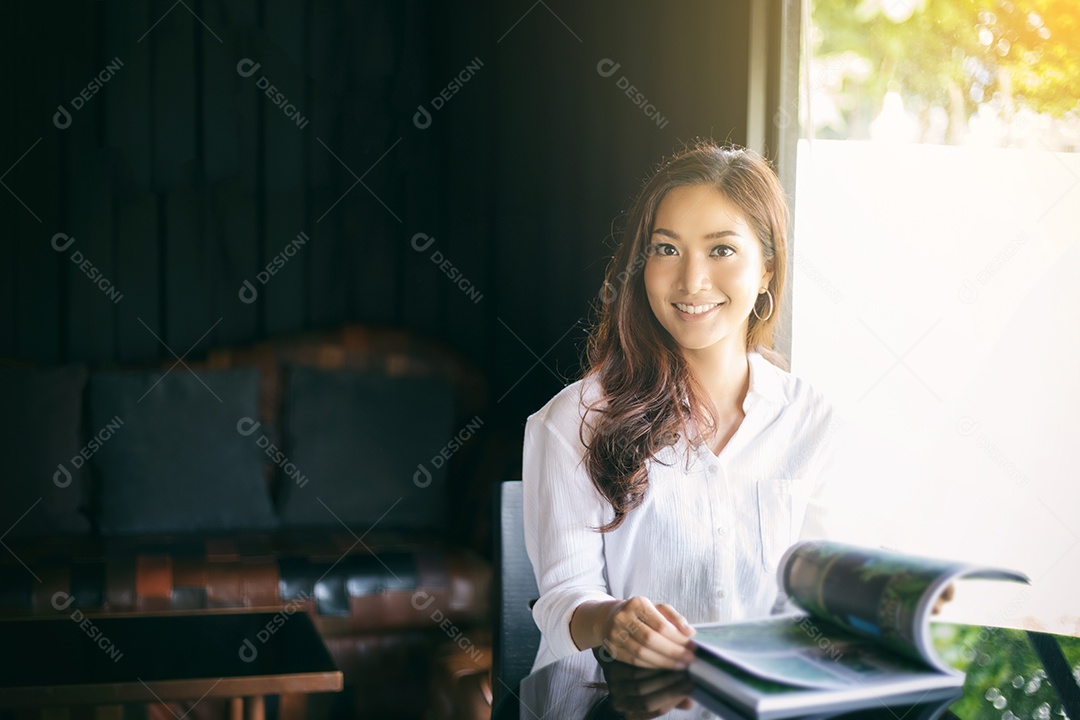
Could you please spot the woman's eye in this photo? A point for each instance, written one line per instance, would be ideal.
(662, 249)
(723, 250)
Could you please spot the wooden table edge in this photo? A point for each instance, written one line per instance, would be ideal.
(172, 690)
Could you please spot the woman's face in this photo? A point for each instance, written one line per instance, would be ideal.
(705, 268)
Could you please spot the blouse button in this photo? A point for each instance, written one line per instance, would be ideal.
(721, 594)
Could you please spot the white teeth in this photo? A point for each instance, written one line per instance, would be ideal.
(696, 309)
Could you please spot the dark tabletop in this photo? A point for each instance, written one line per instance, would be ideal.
(129, 658)
(1011, 675)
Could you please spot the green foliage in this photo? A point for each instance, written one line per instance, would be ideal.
(1005, 678)
(953, 54)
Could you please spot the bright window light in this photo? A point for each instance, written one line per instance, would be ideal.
(935, 292)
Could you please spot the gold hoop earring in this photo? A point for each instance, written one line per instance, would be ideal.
(769, 314)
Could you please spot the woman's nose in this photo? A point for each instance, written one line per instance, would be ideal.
(695, 274)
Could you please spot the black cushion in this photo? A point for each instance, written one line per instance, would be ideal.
(42, 480)
(179, 462)
(367, 448)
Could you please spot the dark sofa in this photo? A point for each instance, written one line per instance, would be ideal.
(333, 471)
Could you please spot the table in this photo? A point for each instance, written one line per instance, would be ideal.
(1011, 675)
(110, 659)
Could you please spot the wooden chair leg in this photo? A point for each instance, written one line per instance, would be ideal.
(255, 708)
(292, 706)
(108, 712)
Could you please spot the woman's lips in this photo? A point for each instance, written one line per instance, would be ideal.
(698, 315)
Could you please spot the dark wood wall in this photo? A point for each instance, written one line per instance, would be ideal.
(179, 179)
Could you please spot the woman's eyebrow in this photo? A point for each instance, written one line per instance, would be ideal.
(711, 236)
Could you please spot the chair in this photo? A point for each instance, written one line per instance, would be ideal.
(518, 638)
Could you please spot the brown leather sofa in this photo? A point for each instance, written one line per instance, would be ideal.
(405, 611)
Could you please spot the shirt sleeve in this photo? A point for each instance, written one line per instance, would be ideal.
(560, 506)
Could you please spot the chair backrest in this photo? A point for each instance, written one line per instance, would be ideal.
(518, 638)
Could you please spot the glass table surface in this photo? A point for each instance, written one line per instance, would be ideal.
(1010, 675)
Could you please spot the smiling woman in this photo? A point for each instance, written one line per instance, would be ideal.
(709, 274)
(713, 224)
(681, 466)
(703, 286)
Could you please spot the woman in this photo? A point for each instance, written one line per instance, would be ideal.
(662, 488)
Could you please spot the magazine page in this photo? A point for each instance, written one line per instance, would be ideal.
(866, 619)
(881, 595)
(799, 650)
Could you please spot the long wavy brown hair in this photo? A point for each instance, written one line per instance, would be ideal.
(649, 393)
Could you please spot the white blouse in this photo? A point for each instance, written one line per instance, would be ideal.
(707, 537)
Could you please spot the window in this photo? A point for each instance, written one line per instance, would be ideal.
(935, 294)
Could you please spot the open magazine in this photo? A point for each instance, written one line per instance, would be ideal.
(860, 634)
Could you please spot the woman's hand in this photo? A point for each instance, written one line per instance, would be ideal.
(640, 693)
(636, 632)
(943, 598)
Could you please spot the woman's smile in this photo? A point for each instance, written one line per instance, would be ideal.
(696, 312)
(705, 268)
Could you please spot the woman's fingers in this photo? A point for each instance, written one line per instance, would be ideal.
(666, 637)
(640, 634)
(624, 673)
(634, 652)
(676, 619)
(943, 598)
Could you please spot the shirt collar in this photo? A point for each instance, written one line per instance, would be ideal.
(765, 379)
